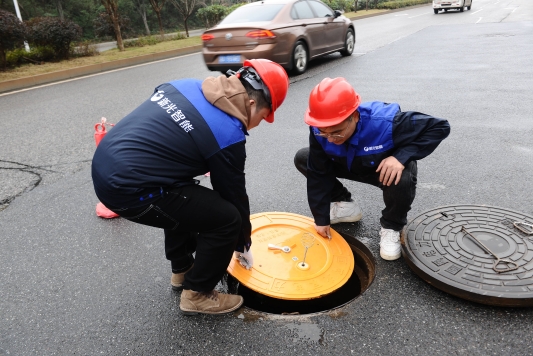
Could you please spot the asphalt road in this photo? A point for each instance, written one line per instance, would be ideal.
(72, 283)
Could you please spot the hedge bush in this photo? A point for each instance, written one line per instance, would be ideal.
(390, 5)
(152, 40)
(343, 5)
(51, 31)
(12, 34)
(213, 14)
(36, 55)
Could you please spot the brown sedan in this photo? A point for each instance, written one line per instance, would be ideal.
(289, 32)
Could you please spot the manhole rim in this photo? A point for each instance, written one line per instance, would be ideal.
(370, 260)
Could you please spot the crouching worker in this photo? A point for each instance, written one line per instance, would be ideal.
(373, 143)
(144, 170)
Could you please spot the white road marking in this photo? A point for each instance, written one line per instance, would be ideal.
(94, 75)
(476, 12)
(479, 19)
(412, 17)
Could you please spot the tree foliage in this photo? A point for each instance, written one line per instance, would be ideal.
(51, 31)
(185, 8)
(103, 26)
(12, 34)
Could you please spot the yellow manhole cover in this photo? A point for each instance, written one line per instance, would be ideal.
(279, 270)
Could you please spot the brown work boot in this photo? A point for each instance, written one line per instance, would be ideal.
(176, 281)
(208, 302)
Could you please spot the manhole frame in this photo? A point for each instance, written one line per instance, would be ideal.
(364, 267)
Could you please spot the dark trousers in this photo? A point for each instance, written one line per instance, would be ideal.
(397, 198)
(194, 219)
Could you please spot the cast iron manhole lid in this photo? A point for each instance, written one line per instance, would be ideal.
(452, 248)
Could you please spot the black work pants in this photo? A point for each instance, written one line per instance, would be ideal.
(398, 198)
(194, 219)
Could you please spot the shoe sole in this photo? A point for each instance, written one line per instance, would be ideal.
(177, 288)
(195, 312)
(390, 257)
(347, 219)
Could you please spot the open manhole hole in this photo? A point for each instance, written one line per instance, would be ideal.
(307, 277)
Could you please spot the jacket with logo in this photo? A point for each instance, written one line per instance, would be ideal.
(185, 129)
(383, 130)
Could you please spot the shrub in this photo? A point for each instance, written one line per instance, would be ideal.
(152, 40)
(51, 31)
(12, 34)
(213, 14)
(343, 5)
(400, 3)
(36, 55)
(85, 49)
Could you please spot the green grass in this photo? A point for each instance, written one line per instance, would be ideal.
(352, 14)
(28, 70)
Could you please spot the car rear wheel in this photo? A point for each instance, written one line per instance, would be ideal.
(435, 11)
(462, 8)
(469, 6)
(299, 58)
(349, 43)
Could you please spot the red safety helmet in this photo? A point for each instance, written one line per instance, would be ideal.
(331, 102)
(273, 80)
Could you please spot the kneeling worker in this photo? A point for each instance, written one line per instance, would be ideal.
(144, 170)
(373, 143)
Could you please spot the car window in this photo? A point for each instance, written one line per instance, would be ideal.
(321, 10)
(303, 10)
(265, 12)
(294, 14)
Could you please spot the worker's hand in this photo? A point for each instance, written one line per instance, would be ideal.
(390, 170)
(323, 231)
(245, 258)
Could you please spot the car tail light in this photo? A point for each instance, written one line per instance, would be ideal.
(261, 34)
(207, 37)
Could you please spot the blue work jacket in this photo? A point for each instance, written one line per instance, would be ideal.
(383, 130)
(172, 137)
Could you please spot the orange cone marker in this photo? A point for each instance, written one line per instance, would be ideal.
(99, 133)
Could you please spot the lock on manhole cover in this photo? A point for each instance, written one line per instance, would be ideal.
(479, 253)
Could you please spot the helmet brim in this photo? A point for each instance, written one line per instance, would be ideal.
(311, 121)
(270, 117)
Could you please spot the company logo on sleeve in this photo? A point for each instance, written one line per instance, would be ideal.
(157, 96)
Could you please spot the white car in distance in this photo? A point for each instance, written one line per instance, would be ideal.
(451, 5)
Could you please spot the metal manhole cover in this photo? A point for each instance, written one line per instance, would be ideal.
(452, 248)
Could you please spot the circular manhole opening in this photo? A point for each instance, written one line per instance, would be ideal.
(359, 281)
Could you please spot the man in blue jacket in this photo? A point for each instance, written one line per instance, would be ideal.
(373, 143)
(144, 170)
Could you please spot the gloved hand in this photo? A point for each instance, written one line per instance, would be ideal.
(245, 258)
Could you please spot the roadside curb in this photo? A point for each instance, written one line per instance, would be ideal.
(28, 82)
